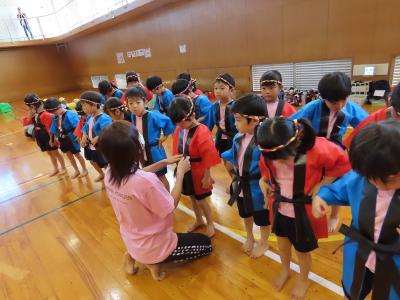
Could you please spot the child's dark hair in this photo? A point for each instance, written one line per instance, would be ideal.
(271, 77)
(227, 79)
(120, 145)
(33, 99)
(334, 86)
(395, 98)
(132, 76)
(52, 104)
(91, 97)
(180, 109)
(374, 150)
(136, 92)
(79, 109)
(280, 138)
(113, 104)
(105, 87)
(181, 86)
(250, 105)
(153, 82)
(188, 77)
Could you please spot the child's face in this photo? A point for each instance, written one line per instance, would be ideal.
(158, 90)
(222, 91)
(244, 125)
(58, 112)
(133, 84)
(392, 182)
(336, 106)
(137, 106)
(186, 123)
(88, 108)
(270, 92)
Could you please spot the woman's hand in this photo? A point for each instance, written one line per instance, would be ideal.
(319, 207)
(173, 159)
(183, 166)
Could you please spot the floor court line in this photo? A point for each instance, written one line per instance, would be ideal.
(48, 213)
(272, 255)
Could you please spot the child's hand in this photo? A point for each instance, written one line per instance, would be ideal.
(266, 189)
(173, 159)
(83, 141)
(398, 230)
(183, 166)
(319, 207)
(207, 181)
(161, 140)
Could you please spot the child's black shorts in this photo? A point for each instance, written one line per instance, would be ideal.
(96, 156)
(260, 217)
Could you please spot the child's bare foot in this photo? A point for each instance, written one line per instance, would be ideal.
(210, 230)
(75, 175)
(259, 250)
(62, 172)
(54, 173)
(195, 226)
(84, 173)
(248, 245)
(155, 272)
(333, 224)
(99, 178)
(129, 265)
(300, 289)
(281, 280)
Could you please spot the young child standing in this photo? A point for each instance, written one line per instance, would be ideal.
(183, 87)
(82, 120)
(164, 96)
(107, 90)
(331, 115)
(62, 128)
(133, 80)
(293, 163)
(153, 126)
(42, 123)
(194, 140)
(117, 110)
(271, 86)
(245, 189)
(371, 256)
(95, 123)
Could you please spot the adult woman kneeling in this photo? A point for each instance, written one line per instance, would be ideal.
(144, 208)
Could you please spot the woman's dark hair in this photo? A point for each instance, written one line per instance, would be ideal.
(119, 143)
(113, 103)
(334, 86)
(277, 131)
(181, 86)
(105, 87)
(270, 75)
(395, 98)
(91, 97)
(250, 104)
(153, 82)
(136, 92)
(374, 150)
(181, 108)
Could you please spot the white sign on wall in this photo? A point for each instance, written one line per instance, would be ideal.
(120, 80)
(120, 57)
(182, 48)
(146, 52)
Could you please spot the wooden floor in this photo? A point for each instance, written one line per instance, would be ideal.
(59, 239)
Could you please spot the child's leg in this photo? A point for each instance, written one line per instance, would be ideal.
(60, 159)
(129, 264)
(262, 244)
(302, 283)
(333, 221)
(156, 272)
(74, 165)
(99, 170)
(53, 160)
(199, 218)
(249, 243)
(81, 160)
(284, 246)
(205, 208)
(165, 181)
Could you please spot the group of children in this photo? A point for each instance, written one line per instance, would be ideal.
(285, 165)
